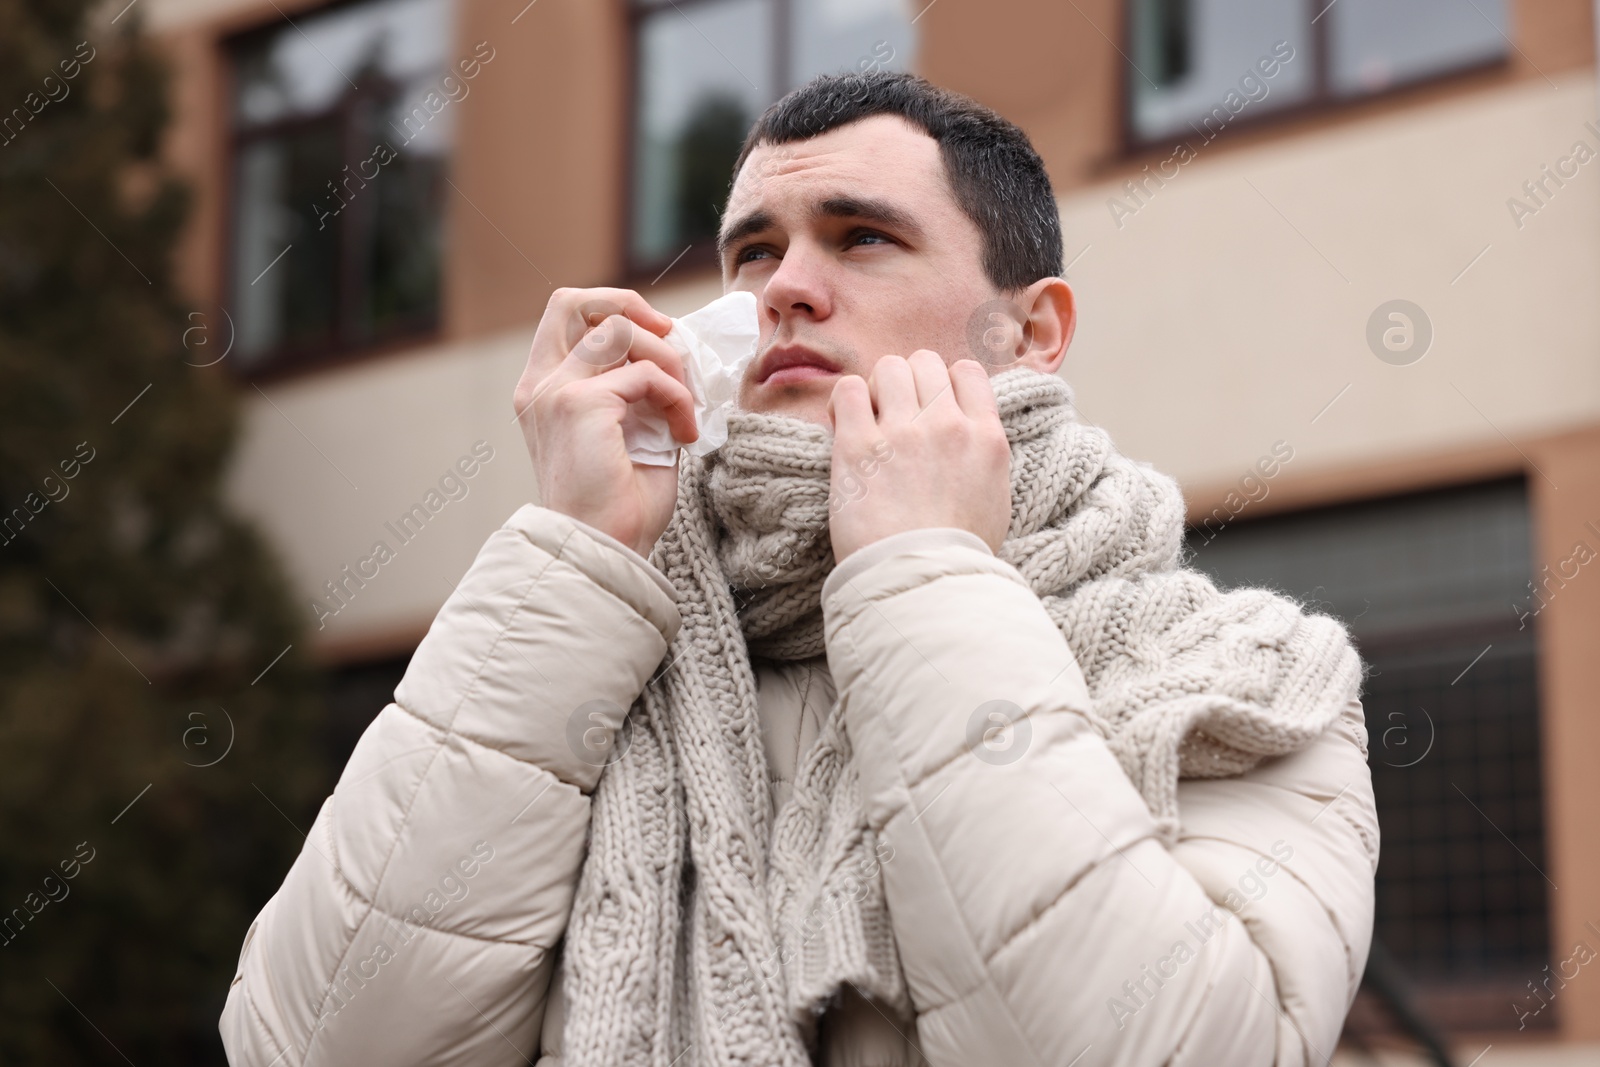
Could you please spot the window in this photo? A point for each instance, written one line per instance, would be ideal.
(355, 693)
(703, 71)
(1428, 584)
(1200, 64)
(341, 131)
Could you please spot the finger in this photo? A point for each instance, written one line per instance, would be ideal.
(588, 306)
(643, 346)
(604, 326)
(588, 360)
(932, 378)
(572, 313)
(850, 410)
(894, 392)
(647, 383)
(606, 343)
(974, 392)
(650, 348)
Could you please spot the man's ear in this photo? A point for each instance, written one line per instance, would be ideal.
(1052, 317)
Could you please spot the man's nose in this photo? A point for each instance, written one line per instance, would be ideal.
(800, 286)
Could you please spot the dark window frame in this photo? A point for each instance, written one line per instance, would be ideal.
(1320, 104)
(700, 256)
(291, 361)
(1469, 1000)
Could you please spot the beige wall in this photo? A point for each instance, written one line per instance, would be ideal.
(325, 461)
(540, 157)
(1232, 308)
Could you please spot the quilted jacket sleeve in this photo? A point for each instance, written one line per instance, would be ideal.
(417, 925)
(1039, 918)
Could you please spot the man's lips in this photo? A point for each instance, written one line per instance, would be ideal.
(792, 363)
(791, 375)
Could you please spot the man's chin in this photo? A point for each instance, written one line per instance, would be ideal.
(806, 400)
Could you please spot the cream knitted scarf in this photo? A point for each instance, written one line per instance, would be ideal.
(708, 930)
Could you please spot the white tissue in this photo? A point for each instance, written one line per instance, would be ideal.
(717, 343)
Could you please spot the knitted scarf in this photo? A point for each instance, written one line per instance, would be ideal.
(708, 930)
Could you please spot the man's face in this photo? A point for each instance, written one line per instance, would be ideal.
(854, 248)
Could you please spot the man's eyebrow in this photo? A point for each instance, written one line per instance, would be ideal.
(754, 222)
(871, 209)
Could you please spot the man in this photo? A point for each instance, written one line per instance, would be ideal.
(860, 740)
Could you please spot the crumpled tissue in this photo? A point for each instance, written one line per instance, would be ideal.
(717, 343)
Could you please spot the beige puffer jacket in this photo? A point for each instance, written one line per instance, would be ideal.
(1038, 918)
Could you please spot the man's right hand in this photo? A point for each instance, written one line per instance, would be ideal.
(595, 352)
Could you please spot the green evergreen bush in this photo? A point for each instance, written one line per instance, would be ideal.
(138, 617)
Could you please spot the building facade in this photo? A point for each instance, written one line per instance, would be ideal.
(1336, 269)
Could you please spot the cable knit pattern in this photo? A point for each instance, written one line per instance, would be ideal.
(707, 930)
(771, 483)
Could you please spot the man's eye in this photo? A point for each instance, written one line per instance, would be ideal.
(744, 255)
(861, 235)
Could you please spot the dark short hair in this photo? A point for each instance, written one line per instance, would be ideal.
(997, 178)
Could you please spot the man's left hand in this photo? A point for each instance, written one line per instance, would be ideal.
(918, 445)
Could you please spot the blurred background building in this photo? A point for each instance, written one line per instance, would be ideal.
(1336, 264)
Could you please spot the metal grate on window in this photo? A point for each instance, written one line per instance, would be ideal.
(1429, 584)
